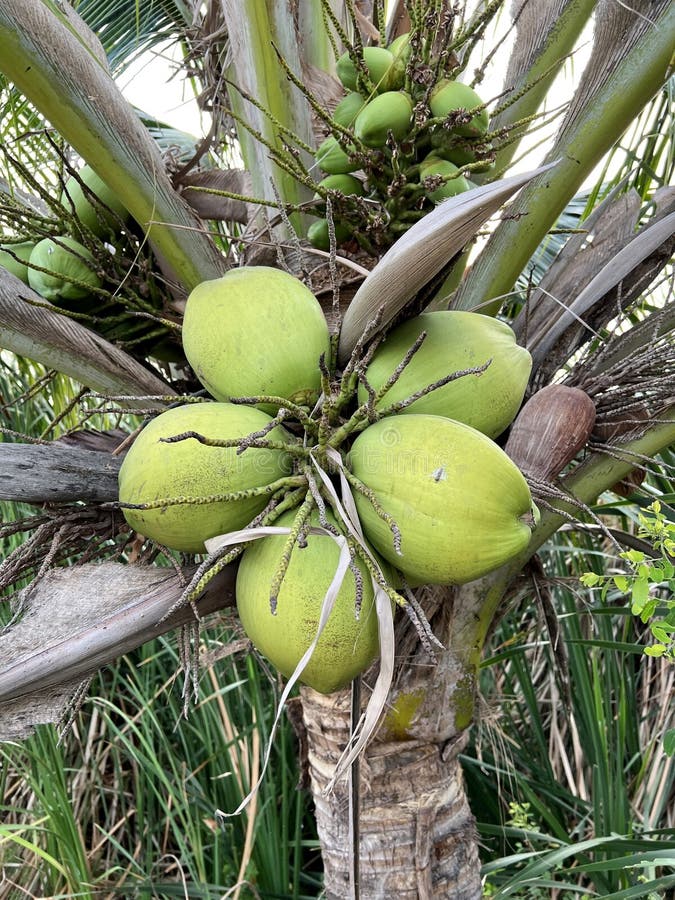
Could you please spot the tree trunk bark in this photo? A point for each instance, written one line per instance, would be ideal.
(417, 833)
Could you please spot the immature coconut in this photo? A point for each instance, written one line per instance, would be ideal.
(454, 495)
(318, 234)
(454, 183)
(451, 96)
(388, 112)
(70, 269)
(14, 257)
(346, 184)
(256, 331)
(99, 208)
(348, 108)
(401, 49)
(455, 340)
(348, 644)
(463, 151)
(379, 63)
(331, 158)
(186, 470)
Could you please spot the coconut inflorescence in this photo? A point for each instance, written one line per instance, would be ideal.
(403, 437)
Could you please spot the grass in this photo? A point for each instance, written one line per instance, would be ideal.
(127, 804)
(585, 794)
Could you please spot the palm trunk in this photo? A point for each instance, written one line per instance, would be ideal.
(417, 834)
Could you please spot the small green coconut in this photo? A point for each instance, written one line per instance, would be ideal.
(380, 65)
(454, 182)
(391, 111)
(189, 470)
(346, 184)
(348, 109)
(462, 151)
(256, 331)
(70, 269)
(400, 47)
(16, 266)
(455, 496)
(455, 340)
(347, 646)
(319, 237)
(332, 159)
(101, 213)
(317, 233)
(450, 96)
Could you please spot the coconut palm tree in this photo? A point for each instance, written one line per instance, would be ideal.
(401, 822)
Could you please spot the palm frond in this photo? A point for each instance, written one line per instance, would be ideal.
(127, 28)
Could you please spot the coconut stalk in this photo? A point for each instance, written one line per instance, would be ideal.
(48, 55)
(31, 327)
(631, 60)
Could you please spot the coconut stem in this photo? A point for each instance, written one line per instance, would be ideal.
(233, 496)
(453, 376)
(358, 485)
(296, 529)
(223, 557)
(371, 328)
(251, 439)
(243, 443)
(367, 413)
(299, 412)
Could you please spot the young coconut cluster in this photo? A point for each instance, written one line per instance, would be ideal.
(403, 434)
(400, 142)
(60, 268)
(68, 258)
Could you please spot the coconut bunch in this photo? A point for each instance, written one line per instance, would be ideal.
(76, 254)
(333, 486)
(406, 135)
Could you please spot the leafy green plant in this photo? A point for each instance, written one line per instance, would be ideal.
(646, 574)
(650, 584)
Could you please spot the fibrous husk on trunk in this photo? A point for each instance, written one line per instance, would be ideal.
(417, 833)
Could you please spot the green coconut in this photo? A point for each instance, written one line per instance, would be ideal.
(455, 496)
(455, 340)
(14, 257)
(348, 644)
(391, 111)
(346, 184)
(380, 65)
(317, 233)
(450, 96)
(319, 237)
(189, 470)
(256, 331)
(331, 158)
(400, 47)
(70, 269)
(461, 151)
(348, 109)
(454, 184)
(101, 213)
